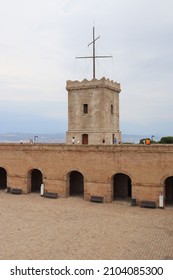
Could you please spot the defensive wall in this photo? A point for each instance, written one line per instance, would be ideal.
(113, 171)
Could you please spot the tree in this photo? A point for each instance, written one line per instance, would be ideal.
(142, 141)
(166, 140)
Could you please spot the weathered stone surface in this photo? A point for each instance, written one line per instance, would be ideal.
(100, 118)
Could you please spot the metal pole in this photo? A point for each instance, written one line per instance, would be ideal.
(93, 53)
(94, 56)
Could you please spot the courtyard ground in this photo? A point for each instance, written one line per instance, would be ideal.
(37, 228)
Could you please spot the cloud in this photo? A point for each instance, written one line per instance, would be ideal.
(39, 43)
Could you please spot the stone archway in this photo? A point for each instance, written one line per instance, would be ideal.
(169, 190)
(36, 179)
(76, 184)
(3, 178)
(122, 187)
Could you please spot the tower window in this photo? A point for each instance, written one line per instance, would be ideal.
(85, 108)
(112, 109)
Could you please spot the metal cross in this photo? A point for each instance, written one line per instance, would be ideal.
(94, 56)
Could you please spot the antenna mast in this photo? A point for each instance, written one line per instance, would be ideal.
(94, 56)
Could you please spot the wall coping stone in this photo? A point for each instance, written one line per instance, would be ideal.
(139, 148)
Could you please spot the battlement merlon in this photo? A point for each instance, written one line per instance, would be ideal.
(94, 83)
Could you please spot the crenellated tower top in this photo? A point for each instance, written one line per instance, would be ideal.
(94, 83)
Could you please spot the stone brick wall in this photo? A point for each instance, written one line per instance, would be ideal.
(147, 166)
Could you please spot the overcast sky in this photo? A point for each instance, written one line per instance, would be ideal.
(39, 40)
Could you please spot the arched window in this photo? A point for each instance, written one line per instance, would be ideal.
(85, 108)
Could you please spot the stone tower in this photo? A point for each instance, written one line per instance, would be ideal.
(93, 112)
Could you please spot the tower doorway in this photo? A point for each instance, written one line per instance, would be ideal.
(122, 187)
(36, 180)
(169, 190)
(85, 139)
(3, 178)
(76, 184)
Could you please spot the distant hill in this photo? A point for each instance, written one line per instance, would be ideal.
(61, 138)
(36, 138)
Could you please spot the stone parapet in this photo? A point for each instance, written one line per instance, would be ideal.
(94, 83)
(122, 148)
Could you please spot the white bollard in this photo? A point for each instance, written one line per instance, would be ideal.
(161, 203)
(42, 189)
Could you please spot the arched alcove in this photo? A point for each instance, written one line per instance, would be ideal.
(36, 179)
(3, 178)
(122, 188)
(169, 190)
(76, 184)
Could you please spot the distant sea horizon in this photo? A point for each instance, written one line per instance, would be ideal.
(16, 137)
